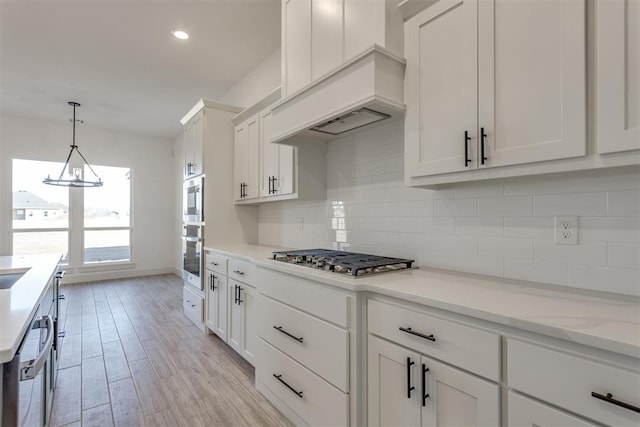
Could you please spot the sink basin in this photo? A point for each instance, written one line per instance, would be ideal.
(8, 280)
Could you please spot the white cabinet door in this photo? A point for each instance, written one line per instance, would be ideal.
(246, 159)
(327, 31)
(187, 152)
(217, 304)
(456, 398)
(285, 182)
(296, 45)
(618, 75)
(524, 412)
(269, 157)
(531, 80)
(249, 322)
(393, 371)
(240, 153)
(235, 329)
(441, 89)
(198, 143)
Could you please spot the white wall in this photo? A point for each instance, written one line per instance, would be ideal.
(500, 228)
(154, 178)
(256, 84)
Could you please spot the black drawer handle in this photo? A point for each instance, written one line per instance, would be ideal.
(279, 328)
(418, 334)
(483, 135)
(279, 378)
(467, 138)
(609, 398)
(425, 395)
(410, 363)
(239, 272)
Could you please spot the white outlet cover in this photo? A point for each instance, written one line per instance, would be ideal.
(566, 230)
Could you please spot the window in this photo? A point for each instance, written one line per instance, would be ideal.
(44, 223)
(40, 212)
(107, 217)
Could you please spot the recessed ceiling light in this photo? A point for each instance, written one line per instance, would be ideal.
(179, 34)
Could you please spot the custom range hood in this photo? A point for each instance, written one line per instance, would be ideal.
(367, 89)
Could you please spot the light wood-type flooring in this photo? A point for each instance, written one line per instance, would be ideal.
(131, 358)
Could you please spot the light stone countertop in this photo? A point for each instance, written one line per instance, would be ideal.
(19, 303)
(605, 321)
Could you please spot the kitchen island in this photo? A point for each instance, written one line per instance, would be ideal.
(20, 301)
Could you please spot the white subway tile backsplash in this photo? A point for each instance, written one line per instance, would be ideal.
(535, 185)
(624, 255)
(536, 271)
(506, 247)
(505, 206)
(590, 253)
(623, 203)
(529, 227)
(605, 180)
(616, 280)
(609, 229)
(491, 265)
(456, 244)
(456, 207)
(437, 225)
(480, 225)
(583, 204)
(486, 227)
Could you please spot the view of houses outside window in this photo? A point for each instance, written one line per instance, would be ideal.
(43, 223)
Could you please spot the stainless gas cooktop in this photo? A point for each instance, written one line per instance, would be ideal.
(346, 263)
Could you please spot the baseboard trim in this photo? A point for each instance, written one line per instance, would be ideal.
(115, 274)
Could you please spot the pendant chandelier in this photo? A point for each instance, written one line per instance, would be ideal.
(74, 176)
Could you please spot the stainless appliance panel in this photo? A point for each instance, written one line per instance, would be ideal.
(192, 255)
(192, 201)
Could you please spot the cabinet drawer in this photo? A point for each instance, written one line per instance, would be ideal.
(469, 348)
(316, 401)
(216, 263)
(567, 381)
(242, 271)
(306, 295)
(192, 305)
(525, 412)
(316, 344)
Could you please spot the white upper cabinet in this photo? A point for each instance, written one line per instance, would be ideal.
(326, 36)
(320, 35)
(277, 160)
(296, 45)
(531, 81)
(194, 145)
(441, 88)
(618, 75)
(494, 83)
(247, 159)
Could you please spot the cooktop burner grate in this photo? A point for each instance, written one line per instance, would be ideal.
(347, 263)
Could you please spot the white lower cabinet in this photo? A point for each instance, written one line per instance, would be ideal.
(407, 388)
(216, 318)
(525, 412)
(242, 322)
(192, 304)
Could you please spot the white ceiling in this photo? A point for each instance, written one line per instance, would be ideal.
(120, 61)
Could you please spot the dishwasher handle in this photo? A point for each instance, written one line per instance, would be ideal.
(30, 368)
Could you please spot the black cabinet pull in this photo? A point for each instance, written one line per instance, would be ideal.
(418, 334)
(279, 328)
(240, 295)
(482, 137)
(467, 138)
(212, 282)
(235, 294)
(279, 378)
(409, 386)
(274, 185)
(609, 399)
(270, 185)
(241, 190)
(425, 395)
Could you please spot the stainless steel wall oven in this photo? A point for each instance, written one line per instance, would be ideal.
(192, 254)
(192, 199)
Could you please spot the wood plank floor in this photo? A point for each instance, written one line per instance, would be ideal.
(131, 358)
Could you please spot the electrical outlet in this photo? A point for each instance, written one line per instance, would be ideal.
(566, 230)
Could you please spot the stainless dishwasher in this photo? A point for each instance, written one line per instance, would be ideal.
(28, 379)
